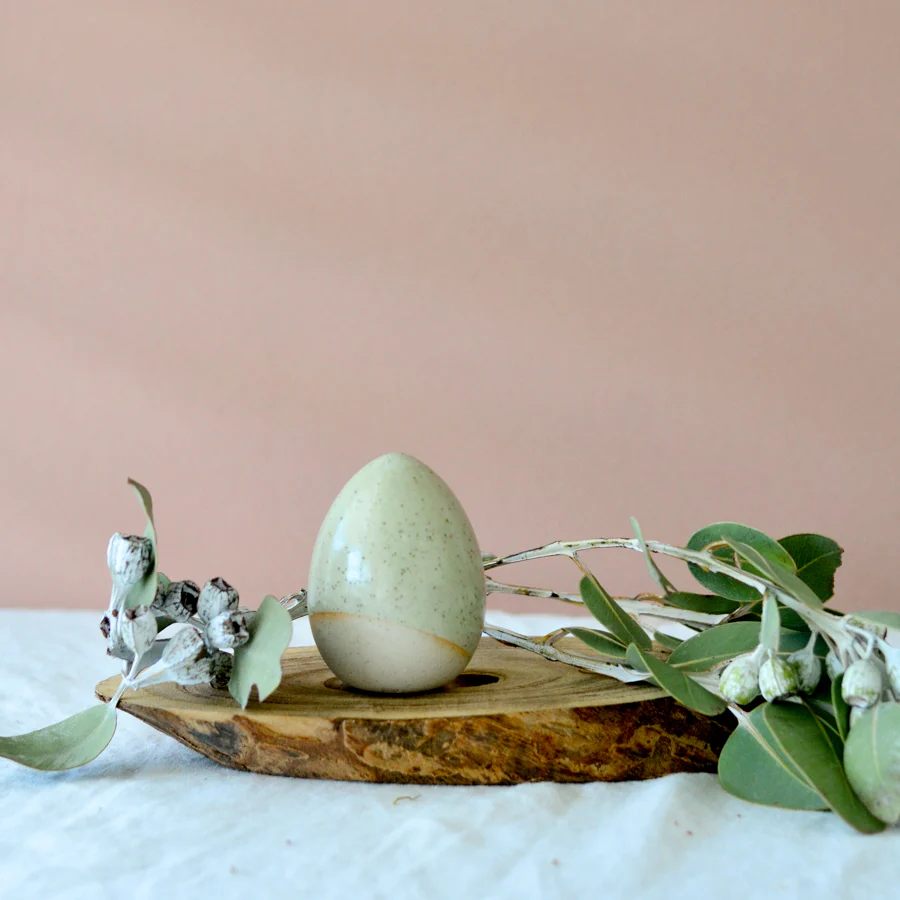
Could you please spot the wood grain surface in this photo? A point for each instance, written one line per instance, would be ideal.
(510, 717)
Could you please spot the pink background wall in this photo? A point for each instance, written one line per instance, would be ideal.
(585, 259)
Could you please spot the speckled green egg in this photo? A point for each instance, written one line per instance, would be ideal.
(396, 586)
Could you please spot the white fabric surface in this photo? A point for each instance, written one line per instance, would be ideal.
(152, 819)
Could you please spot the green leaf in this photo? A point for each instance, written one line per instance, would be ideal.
(711, 647)
(143, 593)
(63, 745)
(609, 614)
(840, 707)
(259, 660)
(600, 641)
(751, 768)
(785, 579)
(667, 640)
(723, 642)
(705, 603)
(801, 737)
(888, 619)
(872, 761)
(713, 538)
(675, 683)
(655, 572)
(770, 629)
(817, 559)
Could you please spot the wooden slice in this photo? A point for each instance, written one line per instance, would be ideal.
(510, 717)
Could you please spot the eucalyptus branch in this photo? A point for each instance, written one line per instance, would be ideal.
(819, 621)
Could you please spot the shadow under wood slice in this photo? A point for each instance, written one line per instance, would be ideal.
(511, 717)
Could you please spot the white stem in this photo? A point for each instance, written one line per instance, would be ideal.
(543, 647)
(648, 606)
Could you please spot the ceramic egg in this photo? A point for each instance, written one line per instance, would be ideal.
(396, 586)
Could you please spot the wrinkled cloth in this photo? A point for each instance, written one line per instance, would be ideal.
(150, 818)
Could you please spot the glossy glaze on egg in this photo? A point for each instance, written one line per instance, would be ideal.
(396, 586)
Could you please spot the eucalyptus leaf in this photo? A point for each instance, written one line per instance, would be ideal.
(716, 645)
(785, 579)
(259, 660)
(872, 761)
(888, 619)
(609, 614)
(667, 640)
(817, 558)
(713, 538)
(144, 592)
(678, 685)
(599, 641)
(770, 628)
(705, 603)
(655, 572)
(840, 707)
(723, 642)
(801, 737)
(752, 769)
(67, 744)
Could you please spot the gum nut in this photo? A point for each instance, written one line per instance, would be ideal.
(740, 680)
(227, 631)
(186, 645)
(222, 664)
(129, 557)
(833, 665)
(809, 669)
(198, 671)
(777, 678)
(181, 600)
(217, 596)
(138, 629)
(862, 684)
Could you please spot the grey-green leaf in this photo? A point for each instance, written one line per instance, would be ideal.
(66, 744)
(258, 662)
(782, 577)
(609, 614)
(675, 683)
(144, 591)
(656, 573)
(713, 538)
(888, 619)
(803, 740)
(817, 559)
(872, 761)
(751, 768)
(599, 641)
(705, 603)
(716, 645)
(770, 630)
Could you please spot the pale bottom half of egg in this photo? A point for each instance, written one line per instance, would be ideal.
(386, 657)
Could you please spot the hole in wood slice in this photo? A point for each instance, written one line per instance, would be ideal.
(466, 680)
